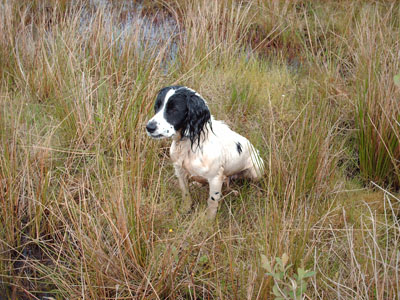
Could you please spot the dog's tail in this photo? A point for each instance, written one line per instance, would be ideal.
(257, 171)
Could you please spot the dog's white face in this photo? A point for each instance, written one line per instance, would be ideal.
(178, 109)
(161, 125)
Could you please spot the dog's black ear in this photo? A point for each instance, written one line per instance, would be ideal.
(198, 116)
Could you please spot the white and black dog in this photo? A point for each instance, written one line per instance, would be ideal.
(204, 149)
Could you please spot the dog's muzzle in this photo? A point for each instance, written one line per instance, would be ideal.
(151, 129)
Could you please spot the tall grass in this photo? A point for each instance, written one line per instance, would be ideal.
(87, 200)
(377, 107)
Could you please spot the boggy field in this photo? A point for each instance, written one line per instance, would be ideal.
(88, 202)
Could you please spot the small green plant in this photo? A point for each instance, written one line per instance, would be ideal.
(396, 79)
(286, 287)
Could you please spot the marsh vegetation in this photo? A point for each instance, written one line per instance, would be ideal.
(87, 199)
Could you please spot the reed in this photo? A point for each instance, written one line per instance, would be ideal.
(87, 199)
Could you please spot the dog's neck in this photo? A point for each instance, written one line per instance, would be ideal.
(178, 138)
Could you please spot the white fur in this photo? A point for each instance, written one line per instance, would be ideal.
(164, 129)
(214, 161)
(220, 154)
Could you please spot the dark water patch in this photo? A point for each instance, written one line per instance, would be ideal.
(126, 19)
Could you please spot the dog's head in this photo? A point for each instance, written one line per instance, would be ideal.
(179, 110)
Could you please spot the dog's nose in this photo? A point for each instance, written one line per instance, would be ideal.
(151, 127)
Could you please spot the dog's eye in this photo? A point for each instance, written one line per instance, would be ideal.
(172, 109)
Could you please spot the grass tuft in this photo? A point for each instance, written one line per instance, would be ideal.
(88, 201)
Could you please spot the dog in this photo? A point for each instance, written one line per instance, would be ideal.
(203, 149)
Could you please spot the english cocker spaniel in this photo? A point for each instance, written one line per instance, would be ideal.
(203, 149)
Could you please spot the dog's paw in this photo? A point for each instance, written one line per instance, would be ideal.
(211, 212)
(234, 192)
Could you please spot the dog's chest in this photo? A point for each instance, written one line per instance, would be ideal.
(194, 163)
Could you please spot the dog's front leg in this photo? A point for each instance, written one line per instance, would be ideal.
(215, 195)
(183, 184)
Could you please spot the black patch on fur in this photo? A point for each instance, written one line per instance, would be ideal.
(176, 111)
(186, 111)
(239, 147)
(198, 116)
(161, 96)
(193, 120)
(212, 198)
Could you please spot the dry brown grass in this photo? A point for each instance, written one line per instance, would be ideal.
(87, 200)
